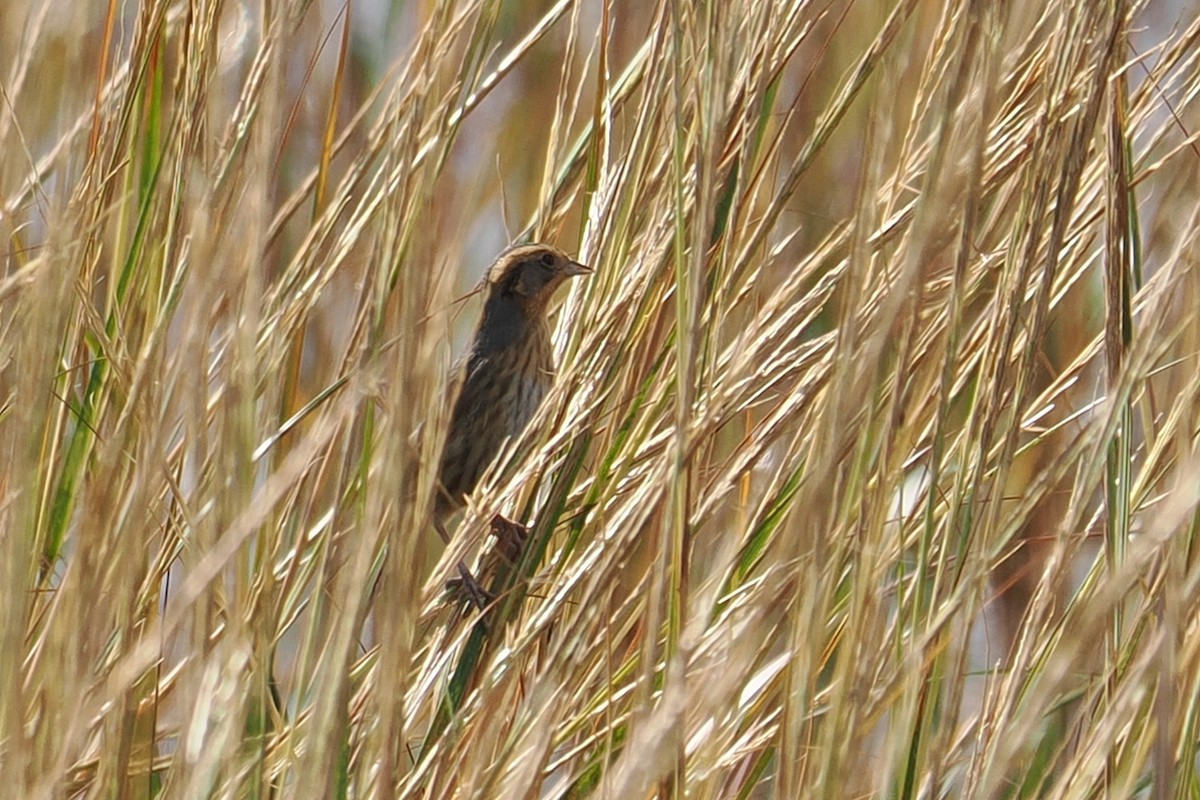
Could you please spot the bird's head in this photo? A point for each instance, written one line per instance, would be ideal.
(530, 273)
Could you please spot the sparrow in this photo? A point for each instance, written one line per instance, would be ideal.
(502, 378)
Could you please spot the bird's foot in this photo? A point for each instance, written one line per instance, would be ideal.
(467, 588)
(510, 537)
(510, 544)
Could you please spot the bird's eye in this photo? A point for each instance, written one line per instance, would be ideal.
(547, 259)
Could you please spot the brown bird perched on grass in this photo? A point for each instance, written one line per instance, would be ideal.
(503, 376)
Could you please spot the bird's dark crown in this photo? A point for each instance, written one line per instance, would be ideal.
(530, 273)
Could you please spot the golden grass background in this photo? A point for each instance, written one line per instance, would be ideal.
(871, 469)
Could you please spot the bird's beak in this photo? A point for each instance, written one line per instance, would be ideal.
(574, 268)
